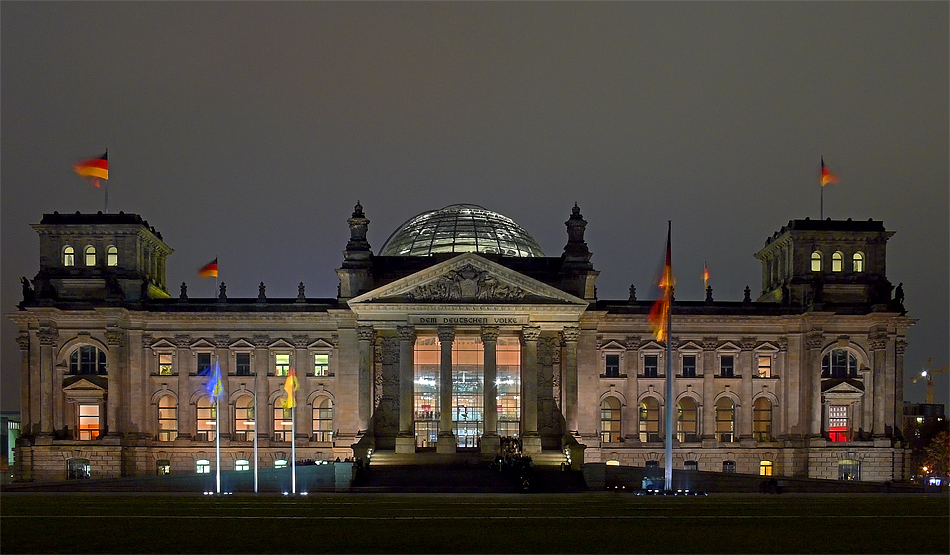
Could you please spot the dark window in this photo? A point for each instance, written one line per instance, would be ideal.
(204, 364)
(653, 464)
(613, 366)
(689, 366)
(650, 364)
(78, 469)
(691, 465)
(839, 363)
(729, 467)
(727, 366)
(87, 360)
(242, 365)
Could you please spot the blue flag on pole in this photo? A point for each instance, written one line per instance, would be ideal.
(214, 386)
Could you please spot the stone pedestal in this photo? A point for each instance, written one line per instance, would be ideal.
(531, 444)
(446, 443)
(490, 445)
(405, 444)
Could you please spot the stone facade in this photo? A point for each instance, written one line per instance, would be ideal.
(804, 381)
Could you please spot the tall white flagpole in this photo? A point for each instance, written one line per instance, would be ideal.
(255, 429)
(293, 446)
(217, 432)
(668, 471)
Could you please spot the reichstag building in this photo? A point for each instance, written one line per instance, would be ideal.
(458, 333)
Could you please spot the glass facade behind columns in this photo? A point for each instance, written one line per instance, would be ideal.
(468, 371)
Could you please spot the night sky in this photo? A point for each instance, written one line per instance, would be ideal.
(248, 131)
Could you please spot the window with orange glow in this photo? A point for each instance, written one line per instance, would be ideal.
(88, 422)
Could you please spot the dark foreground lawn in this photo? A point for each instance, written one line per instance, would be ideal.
(598, 522)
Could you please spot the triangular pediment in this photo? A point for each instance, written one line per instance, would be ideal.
(84, 383)
(767, 347)
(652, 345)
(163, 345)
(320, 344)
(690, 346)
(843, 387)
(469, 279)
(728, 347)
(241, 344)
(202, 344)
(280, 344)
(613, 345)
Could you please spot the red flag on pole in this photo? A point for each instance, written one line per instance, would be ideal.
(95, 168)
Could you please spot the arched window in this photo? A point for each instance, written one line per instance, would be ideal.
(649, 419)
(765, 468)
(686, 421)
(167, 418)
(90, 254)
(69, 256)
(205, 422)
(283, 423)
(762, 419)
(112, 256)
(857, 262)
(243, 419)
(87, 359)
(610, 420)
(725, 420)
(839, 363)
(816, 261)
(837, 261)
(323, 420)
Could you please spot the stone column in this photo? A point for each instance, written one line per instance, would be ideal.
(780, 425)
(748, 366)
(895, 407)
(48, 337)
(365, 335)
(708, 422)
(446, 442)
(571, 335)
(812, 373)
(183, 366)
(530, 439)
(115, 365)
(221, 352)
(490, 443)
(405, 438)
(262, 408)
(23, 341)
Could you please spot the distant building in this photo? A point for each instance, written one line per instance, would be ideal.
(9, 432)
(917, 416)
(457, 333)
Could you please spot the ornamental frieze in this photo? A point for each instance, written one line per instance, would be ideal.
(466, 283)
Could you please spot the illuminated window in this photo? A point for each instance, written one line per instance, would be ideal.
(281, 364)
(838, 423)
(112, 256)
(87, 360)
(206, 419)
(88, 421)
(857, 262)
(765, 366)
(727, 366)
(508, 384)
(164, 364)
(839, 363)
(283, 423)
(729, 467)
(649, 419)
(321, 364)
(426, 400)
(242, 364)
(650, 366)
(163, 467)
(167, 418)
(323, 421)
(612, 366)
(78, 469)
(203, 466)
(686, 422)
(90, 254)
(849, 469)
(816, 261)
(762, 419)
(243, 418)
(836, 261)
(689, 366)
(69, 256)
(280, 463)
(203, 364)
(725, 420)
(242, 465)
(610, 420)
(765, 468)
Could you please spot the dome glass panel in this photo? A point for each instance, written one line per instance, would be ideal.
(460, 228)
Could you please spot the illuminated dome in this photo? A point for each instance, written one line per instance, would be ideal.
(460, 228)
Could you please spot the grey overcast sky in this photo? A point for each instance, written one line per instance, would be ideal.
(247, 131)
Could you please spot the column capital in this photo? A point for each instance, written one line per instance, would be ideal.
(709, 343)
(900, 345)
(878, 340)
(364, 333)
(490, 333)
(571, 334)
(748, 343)
(147, 340)
(446, 333)
(222, 341)
(301, 341)
(47, 336)
(115, 337)
(23, 341)
(814, 339)
(261, 341)
(406, 333)
(183, 341)
(531, 333)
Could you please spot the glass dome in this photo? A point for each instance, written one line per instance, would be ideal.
(460, 228)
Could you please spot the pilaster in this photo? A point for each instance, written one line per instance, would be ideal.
(531, 440)
(571, 335)
(405, 438)
(365, 336)
(490, 440)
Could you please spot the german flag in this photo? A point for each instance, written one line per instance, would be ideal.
(660, 312)
(96, 168)
(826, 175)
(209, 270)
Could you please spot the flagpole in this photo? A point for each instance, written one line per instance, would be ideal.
(107, 196)
(821, 209)
(217, 432)
(293, 447)
(668, 471)
(255, 429)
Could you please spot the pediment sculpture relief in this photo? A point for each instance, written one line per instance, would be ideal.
(465, 284)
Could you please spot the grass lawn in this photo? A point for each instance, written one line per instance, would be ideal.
(596, 522)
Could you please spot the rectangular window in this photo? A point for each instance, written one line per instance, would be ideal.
(321, 364)
(729, 467)
(88, 422)
(727, 366)
(650, 366)
(164, 365)
(203, 365)
(689, 366)
(283, 423)
(242, 364)
(838, 423)
(765, 366)
(203, 466)
(281, 364)
(163, 467)
(612, 368)
(765, 468)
